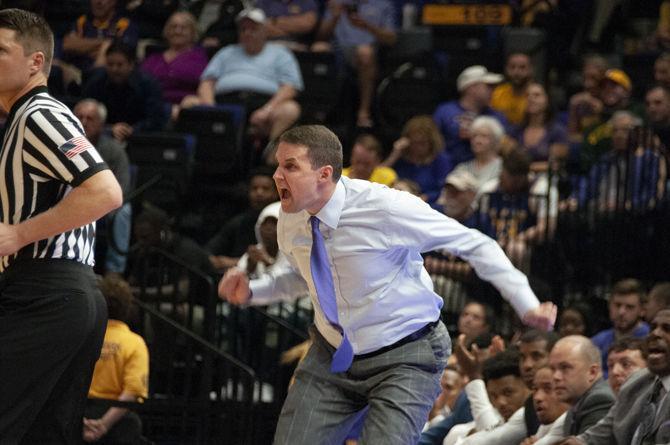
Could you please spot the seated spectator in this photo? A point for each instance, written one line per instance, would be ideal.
(453, 118)
(418, 155)
(451, 383)
(216, 21)
(153, 230)
(474, 320)
(496, 396)
(133, 99)
(265, 77)
(585, 107)
(662, 35)
(357, 29)
(551, 412)
(615, 95)
(179, 67)
(534, 348)
(458, 197)
(658, 298)
(486, 135)
(85, 46)
(626, 308)
(662, 70)
(507, 214)
(510, 97)
(542, 137)
(263, 259)
(573, 320)
(624, 357)
(121, 373)
(409, 186)
(110, 253)
(634, 418)
(627, 175)
(290, 23)
(231, 241)
(657, 108)
(365, 160)
(577, 371)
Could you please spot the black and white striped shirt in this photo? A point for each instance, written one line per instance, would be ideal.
(44, 155)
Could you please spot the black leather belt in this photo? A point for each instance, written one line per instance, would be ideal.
(414, 336)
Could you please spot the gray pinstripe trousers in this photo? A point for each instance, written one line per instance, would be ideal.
(399, 386)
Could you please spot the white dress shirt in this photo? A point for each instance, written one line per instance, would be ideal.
(374, 237)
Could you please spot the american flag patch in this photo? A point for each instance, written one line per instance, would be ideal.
(75, 146)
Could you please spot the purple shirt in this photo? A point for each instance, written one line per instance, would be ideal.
(181, 76)
(555, 134)
(430, 177)
(448, 116)
(279, 8)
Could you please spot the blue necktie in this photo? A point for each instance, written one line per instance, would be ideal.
(325, 292)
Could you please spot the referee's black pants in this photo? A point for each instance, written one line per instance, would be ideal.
(52, 323)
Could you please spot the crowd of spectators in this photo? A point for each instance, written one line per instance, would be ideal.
(488, 158)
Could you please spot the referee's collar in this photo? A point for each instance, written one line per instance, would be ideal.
(23, 99)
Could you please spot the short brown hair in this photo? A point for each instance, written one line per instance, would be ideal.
(370, 143)
(661, 293)
(118, 295)
(629, 286)
(323, 146)
(32, 32)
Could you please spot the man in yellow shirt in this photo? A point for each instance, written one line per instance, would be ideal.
(121, 372)
(510, 97)
(366, 155)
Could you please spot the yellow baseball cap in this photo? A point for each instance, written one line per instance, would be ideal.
(619, 77)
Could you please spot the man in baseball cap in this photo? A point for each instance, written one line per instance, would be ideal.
(458, 195)
(616, 89)
(475, 86)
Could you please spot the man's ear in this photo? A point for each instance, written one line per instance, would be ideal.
(326, 173)
(37, 62)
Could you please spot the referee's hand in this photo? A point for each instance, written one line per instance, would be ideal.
(234, 286)
(10, 241)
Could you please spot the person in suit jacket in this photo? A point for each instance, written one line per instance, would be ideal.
(642, 411)
(577, 372)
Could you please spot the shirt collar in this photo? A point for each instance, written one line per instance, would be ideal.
(666, 383)
(331, 212)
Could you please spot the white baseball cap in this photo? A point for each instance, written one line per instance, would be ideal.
(475, 74)
(462, 180)
(254, 14)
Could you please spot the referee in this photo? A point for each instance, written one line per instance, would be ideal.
(53, 186)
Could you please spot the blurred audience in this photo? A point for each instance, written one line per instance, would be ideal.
(541, 136)
(585, 107)
(626, 310)
(640, 414)
(121, 373)
(658, 298)
(179, 67)
(625, 356)
(475, 86)
(365, 162)
(133, 99)
(231, 241)
(577, 371)
(486, 135)
(510, 97)
(573, 320)
(86, 44)
(356, 30)
(418, 155)
(264, 77)
(291, 23)
(113, 230)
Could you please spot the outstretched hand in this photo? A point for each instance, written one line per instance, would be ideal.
(468, 360)
(234, 287)
(542, 317)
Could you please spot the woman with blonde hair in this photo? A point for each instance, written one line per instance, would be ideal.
(419, 155)
(179, 67)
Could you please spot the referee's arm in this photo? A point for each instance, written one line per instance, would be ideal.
(89, 201)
